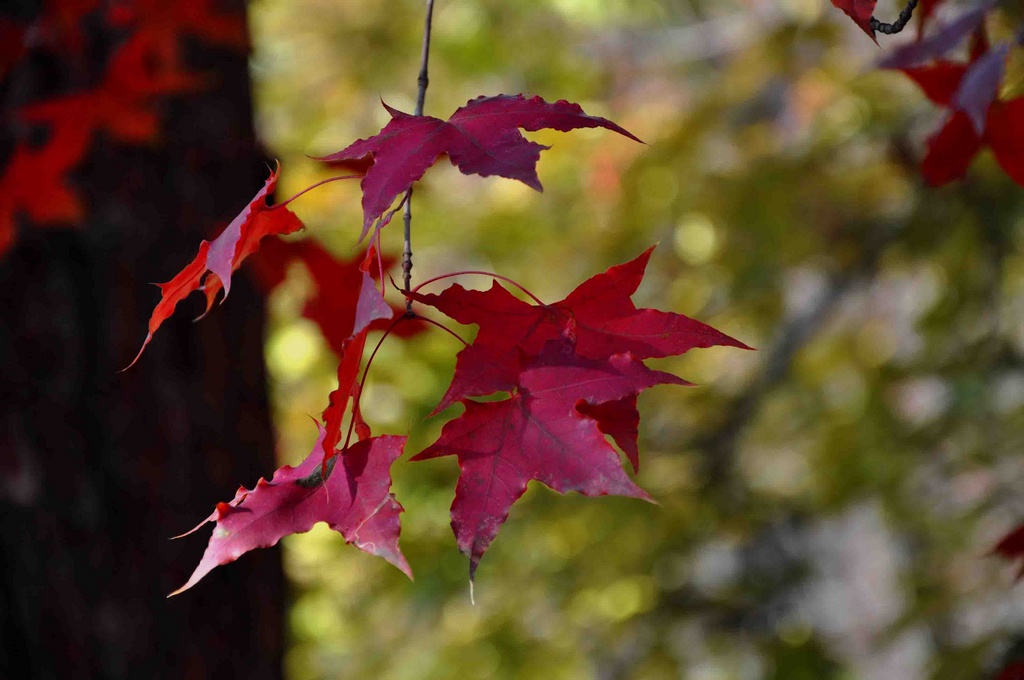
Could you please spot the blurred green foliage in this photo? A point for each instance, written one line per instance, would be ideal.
(826, 503)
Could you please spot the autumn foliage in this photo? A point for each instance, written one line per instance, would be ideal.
(574, 368)
(569, 372)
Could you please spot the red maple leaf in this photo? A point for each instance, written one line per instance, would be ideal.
(540, 433)
(481, 138)
(352, 496)
(599, 315)
(860, 11)
(1012, 547)
(976, 117)
(221, 256)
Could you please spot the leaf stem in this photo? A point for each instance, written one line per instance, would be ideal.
(366, 372)
(310, 188)
(422, 81)
(440, 325)
(896, 26)
(482, 273)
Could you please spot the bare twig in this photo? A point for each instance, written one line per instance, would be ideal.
(896, 26)
(423, 80)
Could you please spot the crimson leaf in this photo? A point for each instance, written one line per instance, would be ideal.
(599, 314)
(540, 433)
(481, 138)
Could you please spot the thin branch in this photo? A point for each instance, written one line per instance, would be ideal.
(423, 80)
(896, 26)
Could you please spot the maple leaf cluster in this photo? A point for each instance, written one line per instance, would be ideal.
(573, 369)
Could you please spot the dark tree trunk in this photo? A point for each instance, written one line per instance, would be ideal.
(98, 468)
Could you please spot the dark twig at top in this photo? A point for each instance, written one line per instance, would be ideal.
(423, 80)
(896, 26)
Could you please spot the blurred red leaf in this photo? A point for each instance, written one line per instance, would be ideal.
(1015, 671)
(161, 24)
(333, 303)
(1012, 547)
(122, 105)
(12, 45)
(35, 184)
(976, 119)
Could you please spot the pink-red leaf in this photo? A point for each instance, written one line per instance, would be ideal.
(223, 255)
(355, 500)
(481, 138)
(540, 433)
(599, 316)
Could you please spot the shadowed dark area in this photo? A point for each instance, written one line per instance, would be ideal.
(99, 468)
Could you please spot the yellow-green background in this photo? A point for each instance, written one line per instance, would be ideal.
(826, 503)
